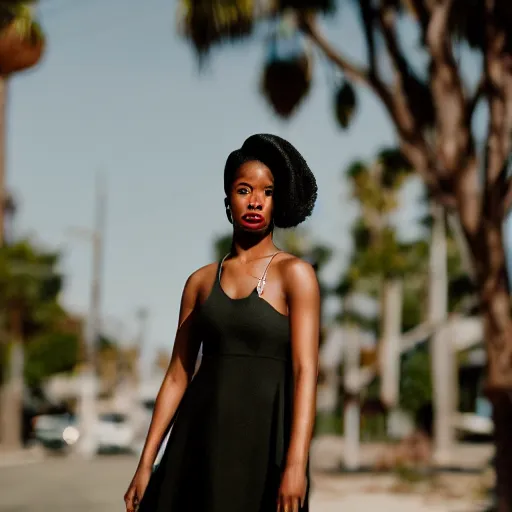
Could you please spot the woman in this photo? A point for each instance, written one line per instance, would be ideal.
(243, 425)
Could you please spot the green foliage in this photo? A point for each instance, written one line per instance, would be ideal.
(49, 354)
(21, 13)
(415, 382)
(208, 22)
(378, 253)
(30, 285)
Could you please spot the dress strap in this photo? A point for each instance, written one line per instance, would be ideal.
(220, 267)
(263, 279)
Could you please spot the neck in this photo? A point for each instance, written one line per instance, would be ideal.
(248, 246)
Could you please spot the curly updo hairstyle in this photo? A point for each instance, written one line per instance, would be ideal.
(295, 188)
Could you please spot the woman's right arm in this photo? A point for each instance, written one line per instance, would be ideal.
(178, 375)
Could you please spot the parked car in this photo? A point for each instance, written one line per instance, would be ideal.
(56, 431)
(113, 432)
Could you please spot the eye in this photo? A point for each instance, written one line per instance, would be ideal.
(269, 192)
(242, 191)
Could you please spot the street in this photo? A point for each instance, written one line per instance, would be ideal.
(64, 485)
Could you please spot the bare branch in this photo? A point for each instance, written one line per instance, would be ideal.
(455, 147)
(368, 19)
(498, 69)
(422, 11)
(412, 142)
(354, 72)
(386, 15)
(507, 200)
(454, 141)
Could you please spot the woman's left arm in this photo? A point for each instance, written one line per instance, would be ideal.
(303, 297)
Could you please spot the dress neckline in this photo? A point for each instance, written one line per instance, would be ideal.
(260, 286)
(254, 291)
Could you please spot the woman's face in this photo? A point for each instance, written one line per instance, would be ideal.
(251, 199)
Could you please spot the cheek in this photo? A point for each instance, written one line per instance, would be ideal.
(238, 202)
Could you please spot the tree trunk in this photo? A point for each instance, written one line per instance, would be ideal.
(494, 294)
(442, 352)
(501, 400)
(389, 350)
(3, 134)
(4, 407)
(498, 336)
(12, 390)
(351, 410)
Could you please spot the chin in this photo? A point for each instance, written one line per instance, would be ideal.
(252, 231)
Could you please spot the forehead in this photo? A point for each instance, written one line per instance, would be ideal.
(254, 171)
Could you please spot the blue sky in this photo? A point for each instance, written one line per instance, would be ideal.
(120, 92)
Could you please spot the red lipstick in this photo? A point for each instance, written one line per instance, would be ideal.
(253, 220)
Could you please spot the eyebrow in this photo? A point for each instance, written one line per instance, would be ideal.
(243, 183)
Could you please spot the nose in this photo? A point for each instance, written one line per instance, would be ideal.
(256, 202)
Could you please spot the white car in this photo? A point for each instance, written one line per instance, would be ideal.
(113, 432)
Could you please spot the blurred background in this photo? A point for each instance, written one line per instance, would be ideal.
(116, 118)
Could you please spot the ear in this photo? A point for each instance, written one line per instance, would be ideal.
(228, 211)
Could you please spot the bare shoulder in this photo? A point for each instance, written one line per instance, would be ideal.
(203, 273)
(201, 280)
(297, 274)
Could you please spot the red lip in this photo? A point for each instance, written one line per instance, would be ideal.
(253, 220)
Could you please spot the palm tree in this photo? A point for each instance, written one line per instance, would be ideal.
(21, 47)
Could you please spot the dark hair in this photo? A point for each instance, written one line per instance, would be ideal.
(295, 186)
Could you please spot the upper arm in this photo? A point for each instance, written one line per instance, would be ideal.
(188, 336)
(303, 295)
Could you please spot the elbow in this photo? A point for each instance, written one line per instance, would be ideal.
(176, 382)
(305, 372)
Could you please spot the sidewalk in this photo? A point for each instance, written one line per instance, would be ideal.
(327, 454)
(21, 457)
(63, 485)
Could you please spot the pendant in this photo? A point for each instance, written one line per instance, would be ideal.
(260, 286)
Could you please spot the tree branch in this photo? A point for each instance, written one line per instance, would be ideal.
(507, 200)
(368, 19)
(412, 142)
(498, 70)
(422, 11)
(405, 116)
(454, 141)
(356, 73)
(455, 147)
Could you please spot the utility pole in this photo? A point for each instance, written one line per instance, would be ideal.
(87, 414)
